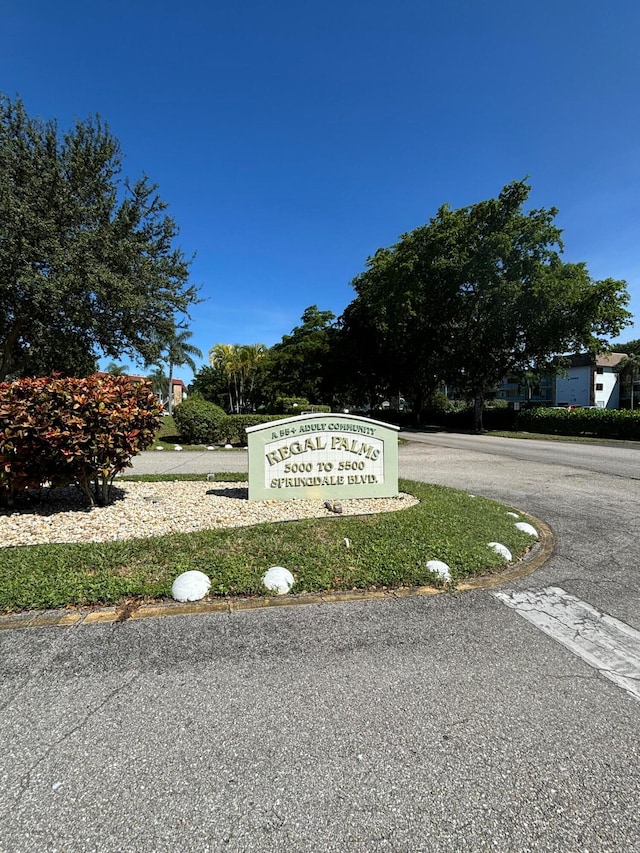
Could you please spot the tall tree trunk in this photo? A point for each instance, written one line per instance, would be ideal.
(170, 400)
(7, 348)
(478, 411)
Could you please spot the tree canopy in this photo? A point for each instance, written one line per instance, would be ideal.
(86, 256)
(238, 366)
(302, 364)
(476, 294)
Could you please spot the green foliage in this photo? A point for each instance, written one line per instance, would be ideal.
(87, 260)
(303, 363)
(629, 371)
(288, 406)
(210, 383)
(240, 365)
(477, 294)
(386, 550)
(177, 352)
(232, 429)
(601, 423)
(159, 383)
(82, 431)
(198, 421)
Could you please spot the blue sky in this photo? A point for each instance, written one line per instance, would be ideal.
(291, 139)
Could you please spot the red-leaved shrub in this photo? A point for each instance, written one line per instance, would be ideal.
(58, 431)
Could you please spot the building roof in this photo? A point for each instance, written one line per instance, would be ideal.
(605, 359)
(132, 376)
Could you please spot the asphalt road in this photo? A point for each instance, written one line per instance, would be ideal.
(446, 723)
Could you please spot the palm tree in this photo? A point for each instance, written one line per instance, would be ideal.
(114, 369)
(239, 363)
(159, 380)
(250, 356)
(223, 358)
(629, 366)
(179, 352)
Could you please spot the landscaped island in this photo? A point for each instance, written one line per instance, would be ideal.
(329, 552)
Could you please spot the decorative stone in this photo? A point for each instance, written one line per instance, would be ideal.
(211, 447)
(440, 569)
(502, 550)
(177, 447)
(228, 447)
(527, 528)
(513, 514)
(278, 579)
(159, 448)
(347, 543)
(190, 586)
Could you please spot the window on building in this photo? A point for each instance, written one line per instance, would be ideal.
(599, 386)
(600, 370)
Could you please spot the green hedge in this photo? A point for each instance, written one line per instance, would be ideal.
(284, 406)
(232, 429)
(601, 423)
(198, 421)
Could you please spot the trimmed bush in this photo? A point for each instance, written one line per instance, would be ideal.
(56, 431)
(232, 428)
(288, 406)
(198, 421)
(601, 423)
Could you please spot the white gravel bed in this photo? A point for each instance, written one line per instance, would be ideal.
(158, 509)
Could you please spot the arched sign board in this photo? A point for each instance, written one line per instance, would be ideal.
(328, 456)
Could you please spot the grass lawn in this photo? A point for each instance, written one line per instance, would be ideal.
(167, 437)
(386, 550)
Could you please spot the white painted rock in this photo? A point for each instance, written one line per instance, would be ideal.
(159, 448)
(228, 447)
(513, 514)
(177, 447)
(190, 586)
(278, 579)
(439, 568)
(527, 528)
(502, 550)
(211, 447)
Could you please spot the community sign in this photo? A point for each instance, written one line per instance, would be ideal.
(323, 456)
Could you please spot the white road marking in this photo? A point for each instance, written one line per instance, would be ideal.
(607, 644)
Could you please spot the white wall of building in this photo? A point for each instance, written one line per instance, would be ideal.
(607, 397)
(574, 389)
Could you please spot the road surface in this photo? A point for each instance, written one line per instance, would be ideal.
(451, 723)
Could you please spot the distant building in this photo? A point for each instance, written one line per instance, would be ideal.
(587, 381)
(178, 387)
(179, 391)
(516, 392)
(590, 381)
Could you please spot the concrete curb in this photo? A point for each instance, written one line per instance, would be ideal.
(536, 557)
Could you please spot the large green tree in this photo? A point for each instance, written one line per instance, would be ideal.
(479, 293)
(302, 364)
(86, 256)
(211, 384)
